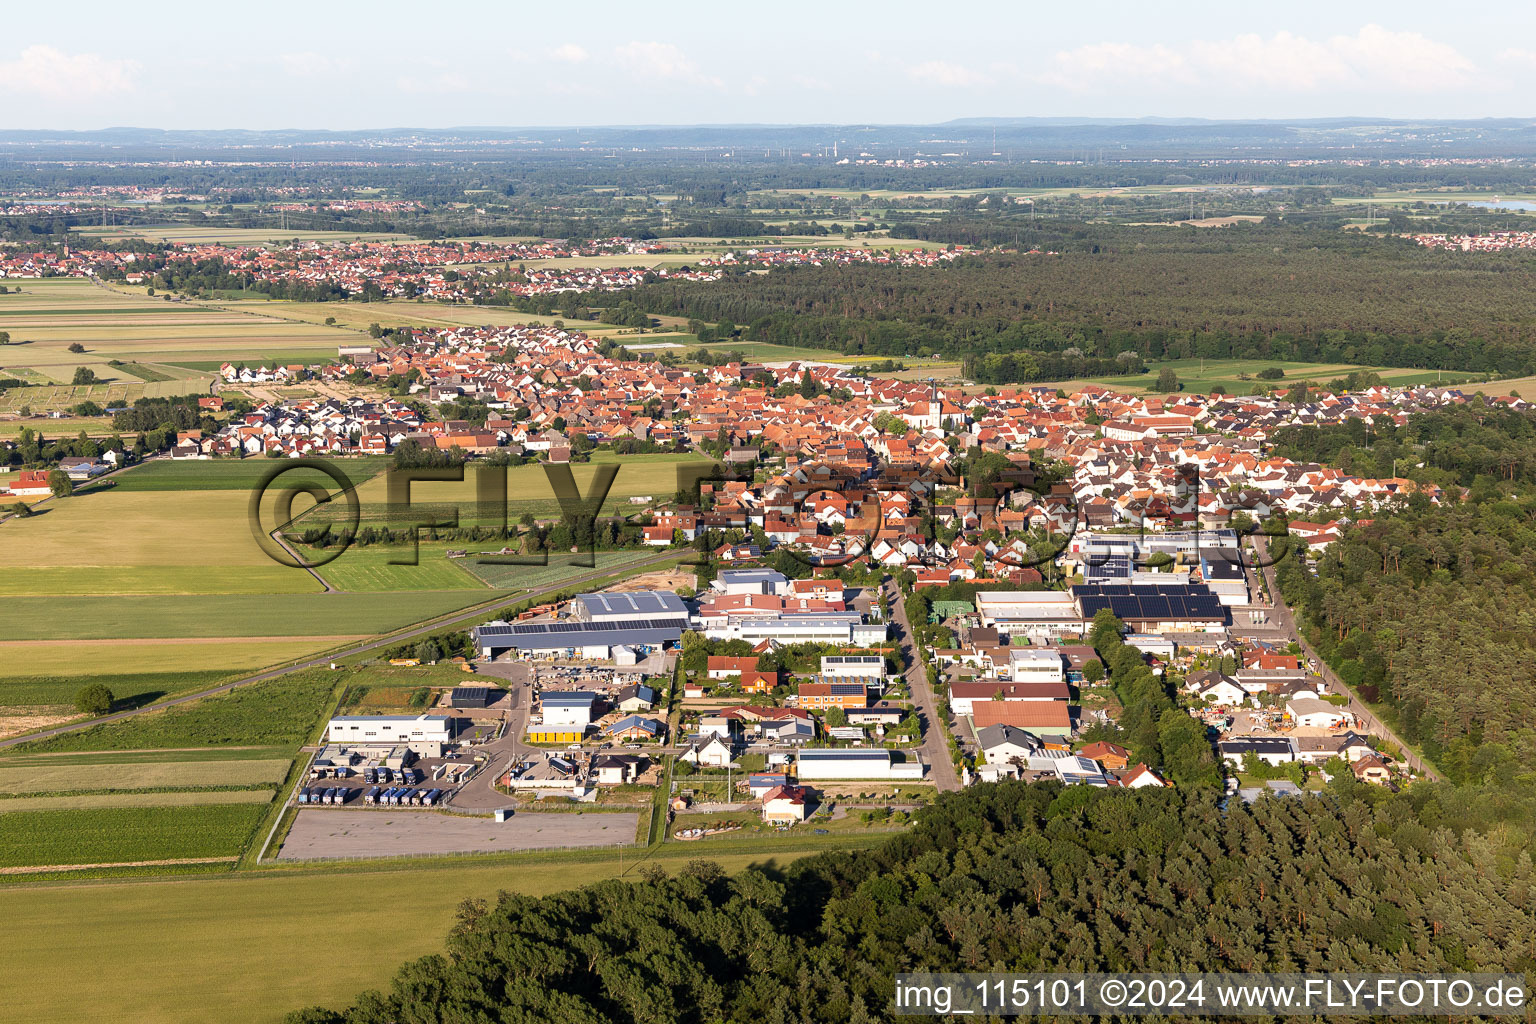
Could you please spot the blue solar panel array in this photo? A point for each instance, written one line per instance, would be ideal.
(1164, 602)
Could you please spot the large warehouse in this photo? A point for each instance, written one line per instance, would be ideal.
(595, 640)
(1174, 607)
(626, 607)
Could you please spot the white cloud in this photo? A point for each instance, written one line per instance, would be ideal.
(1373, 59)
(53, 74)
(943, 73)
(661, 60)
(443, 82)
(309, 64)
(569, 52)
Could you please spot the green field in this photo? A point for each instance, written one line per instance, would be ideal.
(68, 775)
(57, 689)
(125, 834)
(280, 712)
(226, 235)
(240, 936)
(367, 569)
(126, 324)
(93, 801)
(559, 569)
(528, 491)
(1239, 376)
(236, 474)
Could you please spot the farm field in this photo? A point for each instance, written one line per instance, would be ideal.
(231, 236)
(282, 712)
(367, 569)
(357, 316)
(49, 315)
(528, 491)
(64, 775)
(1198, 377)
(232, 474)
(238, 934)
(52, 688)
(92, 801)
(121, 835)
(337, 617)
(535, 577)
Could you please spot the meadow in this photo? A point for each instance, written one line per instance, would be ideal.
(239, 935)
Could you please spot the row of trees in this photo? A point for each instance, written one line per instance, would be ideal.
(1152, 724)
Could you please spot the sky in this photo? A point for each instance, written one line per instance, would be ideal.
(340, 64)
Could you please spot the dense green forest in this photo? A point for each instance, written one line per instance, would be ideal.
(1013, 876)
(1457, 445)
(1114, 296)
(1431, 610)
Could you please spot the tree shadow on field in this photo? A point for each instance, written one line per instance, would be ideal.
(138, 700)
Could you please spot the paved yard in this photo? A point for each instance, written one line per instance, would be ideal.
(387, 833)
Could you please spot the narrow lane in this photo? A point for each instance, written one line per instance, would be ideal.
(940, 768)
(1283, 617)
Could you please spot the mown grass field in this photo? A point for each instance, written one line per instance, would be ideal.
(240, 936)
(335, 616)
(55, 686)
(68, 775)
(125, 834)
(368, 569)
(237, 474)
(528, 491)
(560, 568)
(109, 801)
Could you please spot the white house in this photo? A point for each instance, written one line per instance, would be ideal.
(425, 735)
(1316, 713)
(711, 753)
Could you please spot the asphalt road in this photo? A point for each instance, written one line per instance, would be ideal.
(433, 626)
(940, 768)
(1282, 617)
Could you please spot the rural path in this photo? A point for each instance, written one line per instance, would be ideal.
(940, 766)
(433, 626)
(1286, 620)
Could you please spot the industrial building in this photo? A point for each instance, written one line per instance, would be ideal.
(595, 640)
(568, 707)
(424, 735)
(627, 607)
(872, 765)
(471, 697)
(750, 581)
(797, 628)
(1175, 607)
(867, 667)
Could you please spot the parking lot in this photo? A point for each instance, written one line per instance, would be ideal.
(387, 833)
